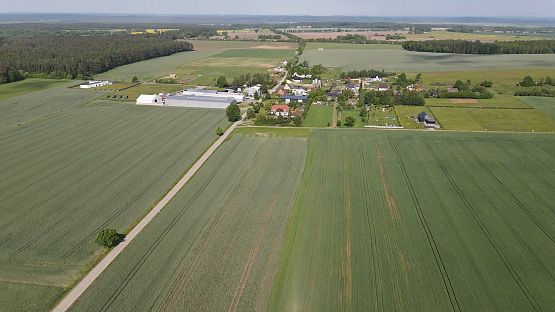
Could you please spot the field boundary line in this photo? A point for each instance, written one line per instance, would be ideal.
(87, 281)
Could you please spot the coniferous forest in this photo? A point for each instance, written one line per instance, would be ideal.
(78, 56)
(477, 47)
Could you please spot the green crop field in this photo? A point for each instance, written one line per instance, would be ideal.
(318, 116)
(42, 105)
(485, 37)
(421, 221)
(154, 68)
(498, 101)
(394, 58)
(216, 246)
(544, 104)
(492, 119)
(68, 175)
(13, 89)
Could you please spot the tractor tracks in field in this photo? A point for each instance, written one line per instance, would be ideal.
(508, 265)
(430, 237)
(370, 218)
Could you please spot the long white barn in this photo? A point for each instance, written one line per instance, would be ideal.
(185, 101)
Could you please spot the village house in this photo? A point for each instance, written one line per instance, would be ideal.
(253, 90)
(376, 79)
(352, 87)
(415, 87)
(452, 90)
(294, 98)
(280, 110)
(299, 91)
(383, 87)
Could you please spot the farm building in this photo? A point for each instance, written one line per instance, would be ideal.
(94, 84)
(280, 110)
(237, 97)
(253, 90)
(383, 87)
(299, 98)
(198, 101)
(150, 99)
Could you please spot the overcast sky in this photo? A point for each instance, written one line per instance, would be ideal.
(511, 8)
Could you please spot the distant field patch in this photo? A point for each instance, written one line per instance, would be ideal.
(448, 35)
(219, 45)
(257, 53)
(463, 101)
(491, 119)
(13, 89)
(544, 104)
(394, 58)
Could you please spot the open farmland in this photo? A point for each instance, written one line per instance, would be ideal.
(544, 104)
(419, 221)
(246, 34)
(65, 177)
(319, 116)
(484, 37)
(394, 58)
(232, 63)
(493, 119)
(27, 86)
(216, 246)
(154, 68)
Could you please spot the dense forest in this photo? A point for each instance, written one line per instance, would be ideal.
(476, 47)
(81, 56)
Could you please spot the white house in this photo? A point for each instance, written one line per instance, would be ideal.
(299, 91)
(150, 99)
(301, 77)
(376, 79)
(253, 90)
(279, 69)
(94, 84)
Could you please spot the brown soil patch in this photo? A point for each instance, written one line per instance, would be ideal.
(463, 101)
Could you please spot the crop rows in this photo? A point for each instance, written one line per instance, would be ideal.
(67, 177)
(215, 247)
(417, 221)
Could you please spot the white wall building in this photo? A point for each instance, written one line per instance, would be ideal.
(238, 97)
(150, 99)
(94, 84)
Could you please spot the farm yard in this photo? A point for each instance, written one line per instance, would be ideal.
(405, 221)
(216, 246)
(392, 57)
(82, 166)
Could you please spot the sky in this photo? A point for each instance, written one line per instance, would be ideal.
(490, 8)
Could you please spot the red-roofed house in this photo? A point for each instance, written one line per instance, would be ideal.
(280, 110)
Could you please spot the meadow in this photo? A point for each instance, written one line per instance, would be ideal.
(13, 89)
(65, 176)
(216, 246)
(392, 57)
(421, 221)
(493, 119)
(318, 116)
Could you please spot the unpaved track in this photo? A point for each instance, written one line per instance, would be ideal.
(87, 281)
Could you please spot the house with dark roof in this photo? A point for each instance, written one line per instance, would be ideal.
(423, 117)
(295, 98)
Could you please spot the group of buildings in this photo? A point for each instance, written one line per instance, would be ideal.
(94, 84)
(198, 97)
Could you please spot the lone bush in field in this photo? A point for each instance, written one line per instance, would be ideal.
(219, 131)
(233, 113)
(109, 238)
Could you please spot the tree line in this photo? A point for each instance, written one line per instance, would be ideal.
(83, 56)
(477, 47)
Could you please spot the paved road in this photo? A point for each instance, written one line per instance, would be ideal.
(87, 281)
(274, 89)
